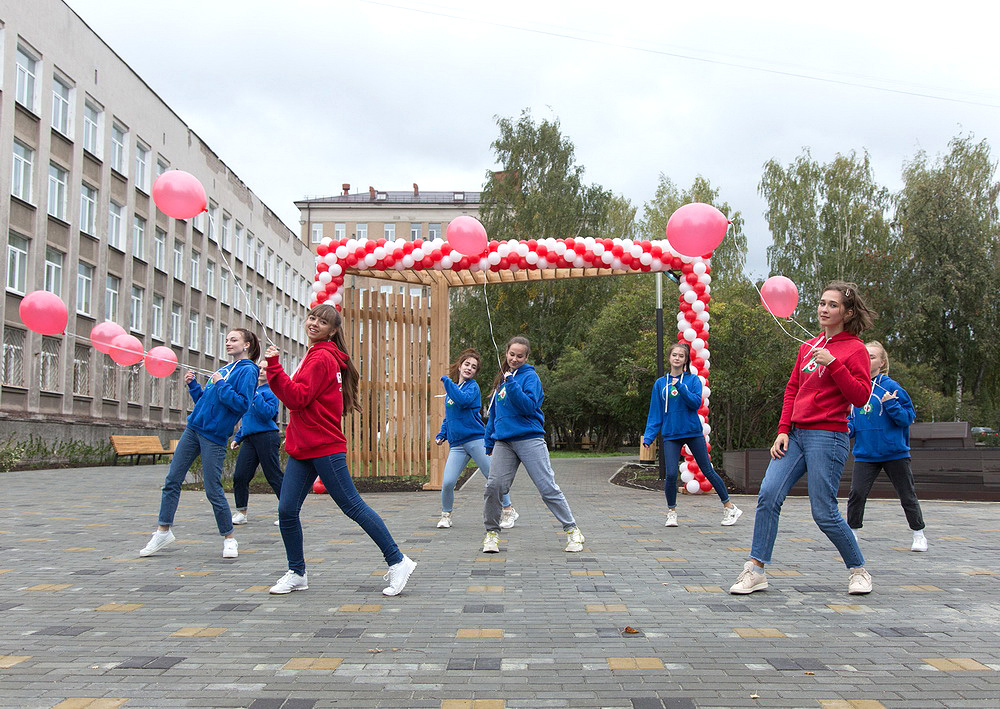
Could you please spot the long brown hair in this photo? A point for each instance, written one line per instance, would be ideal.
(504, 367)
(858, 317)
(469, 353)
(253, 353)
(351, 376)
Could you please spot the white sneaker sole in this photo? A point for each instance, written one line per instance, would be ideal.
(859, 592)
(670, 523)
(443, 525)
(731, 522)
(395, 592)
(747, 591)
(282, 592)
(147, 551)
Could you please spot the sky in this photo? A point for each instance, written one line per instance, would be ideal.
(300, 96)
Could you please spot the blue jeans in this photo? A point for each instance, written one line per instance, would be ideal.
(257, 449)
(671, 454)
(190, 446)
(332, 470)
(534, 455)
(822, 454)
(458, 458)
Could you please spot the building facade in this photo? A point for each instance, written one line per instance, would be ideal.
(82, 139)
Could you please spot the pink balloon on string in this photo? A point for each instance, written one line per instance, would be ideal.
(161, 361)
(103, 333)
(780, 296)
(126, 350)
(696, 229)
(44, 312)
(467, 236)
(179, 194)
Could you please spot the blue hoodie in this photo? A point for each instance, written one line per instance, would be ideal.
(261, 415)
(675, 416)
(516, 409)
(218, 407)
(462, 421)
(881, 430)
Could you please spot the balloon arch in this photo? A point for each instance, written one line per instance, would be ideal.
(396, 426)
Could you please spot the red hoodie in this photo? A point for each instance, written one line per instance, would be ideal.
(314, 396)
(820, 397)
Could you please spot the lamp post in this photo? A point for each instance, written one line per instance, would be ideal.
(659, 366)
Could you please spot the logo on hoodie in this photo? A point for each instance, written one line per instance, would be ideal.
(503, 394)
(867, 409)
(673, 391)
(811, 366)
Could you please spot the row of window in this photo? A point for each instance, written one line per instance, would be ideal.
(388, 231)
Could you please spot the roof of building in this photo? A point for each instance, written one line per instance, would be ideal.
(397, 197)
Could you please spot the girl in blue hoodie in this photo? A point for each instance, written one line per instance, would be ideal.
(464, 430)
(673, 412)
(881, 433)
(258, 439)
(515, 435)
(217, 409)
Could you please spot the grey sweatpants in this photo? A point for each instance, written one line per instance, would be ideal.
(533, 454)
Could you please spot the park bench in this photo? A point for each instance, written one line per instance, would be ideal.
(138, 446)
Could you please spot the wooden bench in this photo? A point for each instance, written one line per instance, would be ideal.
(138, 446)
(942, 434)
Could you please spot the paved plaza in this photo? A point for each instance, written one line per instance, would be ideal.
(85, 622)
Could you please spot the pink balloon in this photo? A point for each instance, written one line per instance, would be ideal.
(178, 194)
(467, 236)
(103, 333)
(696, 228)
(126, 350)
(780, 296)
(44, 312)
(161, 361)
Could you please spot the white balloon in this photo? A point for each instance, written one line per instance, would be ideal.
(325, 277)
(336, 269)
(352, 245)
(418, 254)
(493, 258)
(706, 392)
(407, 261)
(706, 429)
(708, 363)
(543, 262)
(379, 253)
(690, 297)
(698, 344)
(699, 267)
(337, 298)
(317, 287)
(683, 467)
(708, 290)
(598, 249)
(703, 383)
(684, 287)
(370, 260)
(341, 252)
(531, 257)
(616, 264)
(688, 259)
(706, 353)
(330, 259)
(703, 315)
(706, 328)
(694, 487)
(560, 248)
(690, 334)
(687, 477)
(698, 306)
(446, 262)
(635, 250)
(607, 257)
(522, 249)
(645, 259)
(484, 263)
(705, 279)
(656, 264)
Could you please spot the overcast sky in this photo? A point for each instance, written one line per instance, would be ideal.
(300, 99)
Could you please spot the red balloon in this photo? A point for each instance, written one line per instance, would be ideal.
(696, 228)
(318, 487)
(103, 333)
(161, 361)
(126, 350)
(705, 485)
(467, 236)
(780, 296)
(322, 249)
(179, 194)
(44, 312)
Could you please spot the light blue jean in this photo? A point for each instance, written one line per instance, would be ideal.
(190, 446)
(534, 455)
(823, 454)
(458, 458)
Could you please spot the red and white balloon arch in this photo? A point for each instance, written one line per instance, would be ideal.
(337, 258)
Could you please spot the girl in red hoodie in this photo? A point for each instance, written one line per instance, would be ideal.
(831, 373)
(316, 395)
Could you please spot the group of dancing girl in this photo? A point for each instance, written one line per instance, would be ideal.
(839, 389)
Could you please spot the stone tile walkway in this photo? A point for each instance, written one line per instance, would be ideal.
(86, 623)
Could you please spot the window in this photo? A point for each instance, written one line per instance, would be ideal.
(259, 261)
(238, 242)
(362, 231)
(81, 370)
(58, 191)
(259, 298)
(213, 218)
(20, 179)
(238, 293)
(227, 231)
(389, 232)
(54, 270)
(178, 260)
(156, 323)
(61, 113)
(135, 311)
(26, 70)
(223, 331)
(176, 331)
(48, 365)
(111, 288)
(339, 231)
(433, 231)
(250, 247)
(133, 385)
(192, 331)
(174, 390)
(84, 288)
(119, 151)
(415, 231)
(13, 356)
(155, 387)
(161, 166)
(195, 270)
(139, 237)
(317, 233)
(209, 334)
(288, 284)
(142, 167)
(110, 389)
(198, 222)
(88, 210)
(210, 278)
(92, 129)
(160, 249)
(279, 272)
(270, 266)
(115, 238)
(224, 286)
(17, 264)
(270, 312)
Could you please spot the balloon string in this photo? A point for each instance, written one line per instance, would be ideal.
(768, 309)
(489, 318)
(246, 297)
(122, 349)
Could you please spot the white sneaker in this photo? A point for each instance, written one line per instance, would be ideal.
(239, 517)
(291, 581)
(445, 520)
(856, 537)
(277, 522)
(491, 543)
(730, 515)
(751, 579)
(671, 519)
(919, 542)
(860, 582)
(398, 575)
(508, 517)
(158, 541)
(574, 539)
(230, 549)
